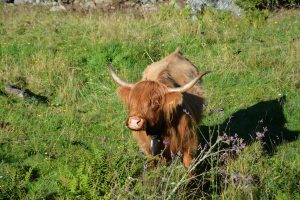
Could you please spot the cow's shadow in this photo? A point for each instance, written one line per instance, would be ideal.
(264, 117)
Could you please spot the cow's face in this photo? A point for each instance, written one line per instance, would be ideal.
(147, 103)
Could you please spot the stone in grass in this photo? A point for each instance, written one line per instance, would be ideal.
(196, 6)
(58, 8)
(16, 91)
(25, 94)
(89, 5)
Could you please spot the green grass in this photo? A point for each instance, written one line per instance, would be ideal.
(77, 147)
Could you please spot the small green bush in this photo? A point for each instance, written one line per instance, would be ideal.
(269, 4)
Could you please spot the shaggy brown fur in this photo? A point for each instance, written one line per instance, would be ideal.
(173, 116)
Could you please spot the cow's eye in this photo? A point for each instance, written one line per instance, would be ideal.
(155, 104)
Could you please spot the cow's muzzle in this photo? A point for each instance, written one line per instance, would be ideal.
(135, 123)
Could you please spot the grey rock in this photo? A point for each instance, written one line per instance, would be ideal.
(103, 2)
(89, 5)
(149, 7)
(16, 91)
(197, 5)
(130, 4)
(58, 8)
(18, 2)
(25, 94)
(144, 1)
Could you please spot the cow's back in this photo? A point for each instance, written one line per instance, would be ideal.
(174, 71)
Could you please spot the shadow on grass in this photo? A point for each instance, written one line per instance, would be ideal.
(265, 118)
(36, 97)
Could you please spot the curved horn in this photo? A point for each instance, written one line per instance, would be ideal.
(118, 79)
(189, 85)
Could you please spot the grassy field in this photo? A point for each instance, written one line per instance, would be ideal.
(75, 145)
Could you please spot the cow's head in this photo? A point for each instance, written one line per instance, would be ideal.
(149, 101)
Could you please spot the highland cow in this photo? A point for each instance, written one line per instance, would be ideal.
(165, 107)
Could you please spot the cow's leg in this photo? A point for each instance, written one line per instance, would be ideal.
(143, 141)
(187, 159)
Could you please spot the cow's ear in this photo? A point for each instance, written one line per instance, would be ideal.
(173, 99)
(123, 93)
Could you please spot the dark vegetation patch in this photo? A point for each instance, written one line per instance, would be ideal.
(267, 4)
(4, 125)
